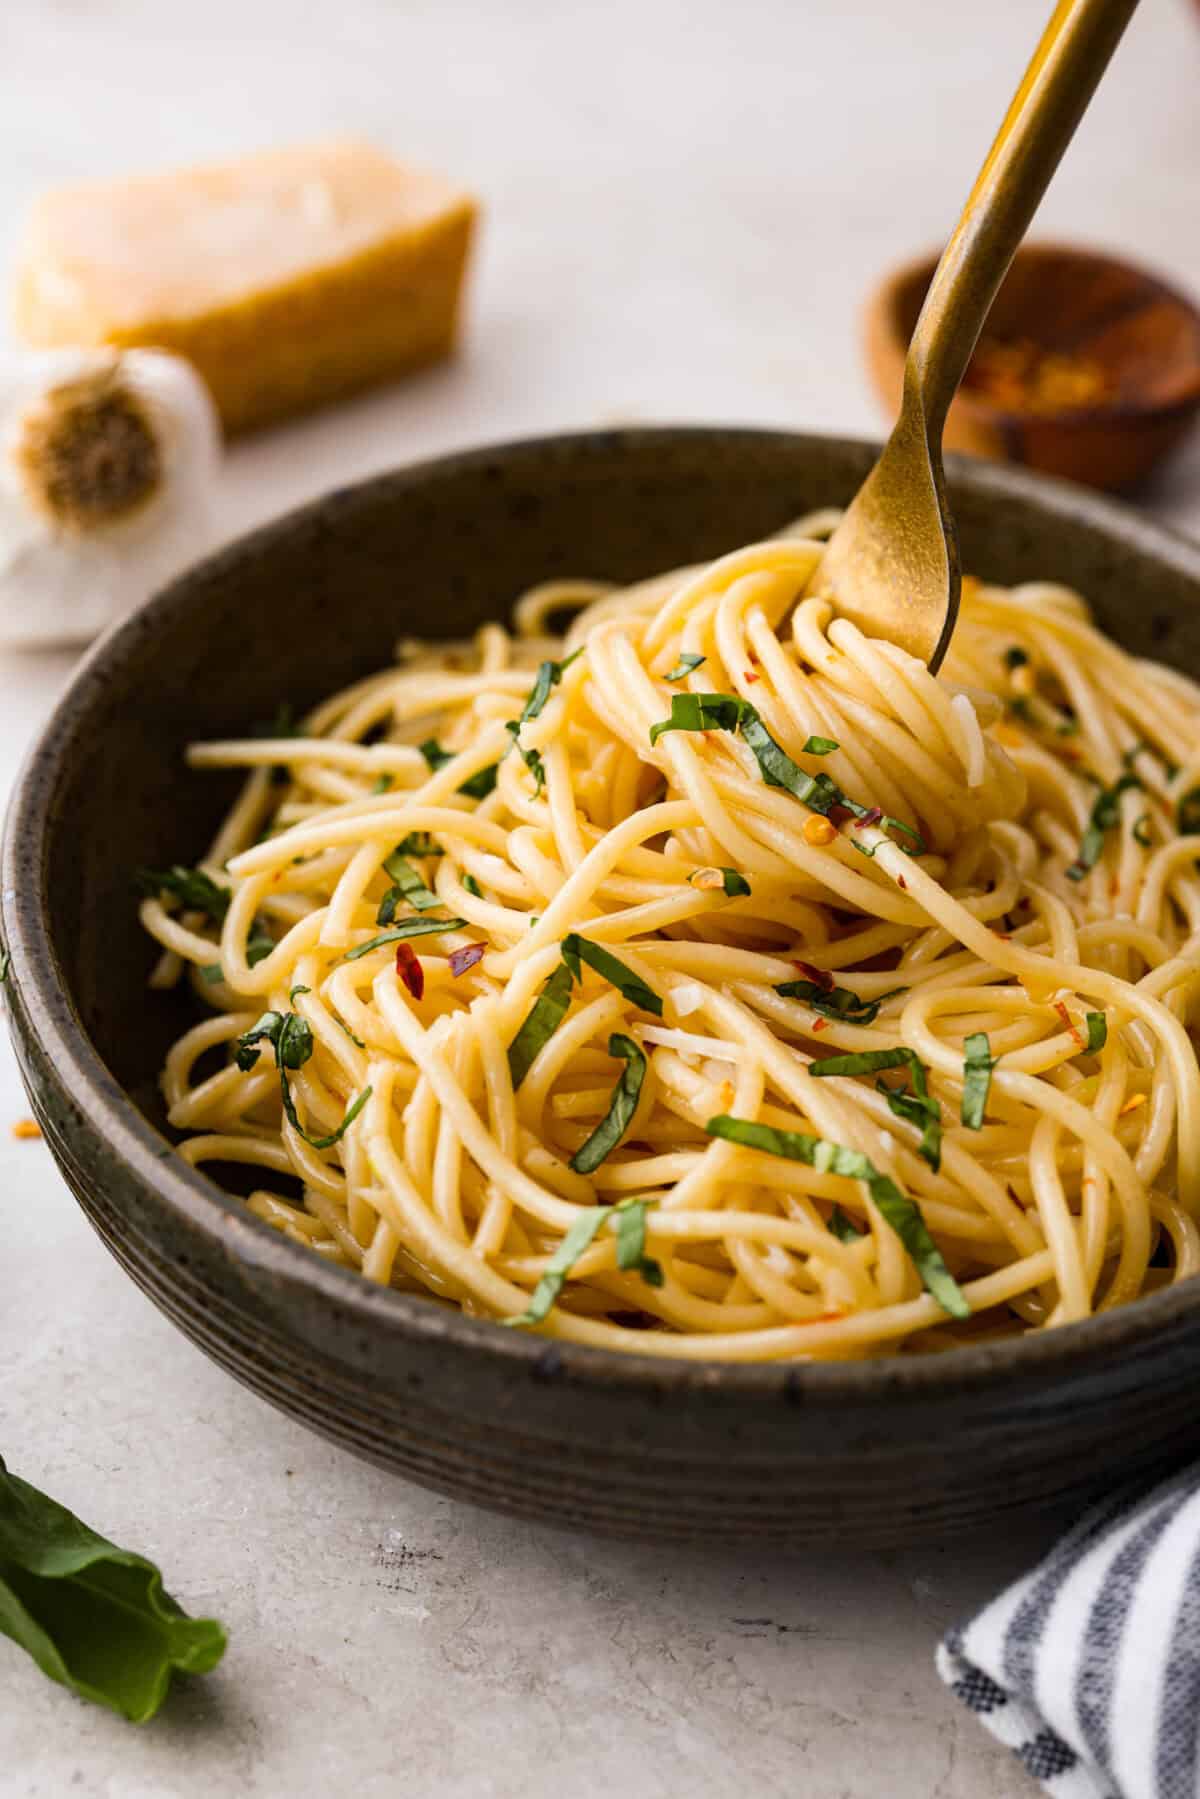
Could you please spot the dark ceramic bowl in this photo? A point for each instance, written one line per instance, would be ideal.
(870, 1453)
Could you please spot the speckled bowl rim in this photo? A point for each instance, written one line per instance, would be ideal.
(199, 1205)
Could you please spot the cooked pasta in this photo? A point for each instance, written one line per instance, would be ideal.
(715, 982)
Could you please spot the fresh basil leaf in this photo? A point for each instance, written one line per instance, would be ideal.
(1142, 832)
(735, 884)
(292, 1040)
(576, 949)
(194, 890)
(1106, 812)
(542, 1020)
(977, 1079)
(918, 1108)
(212, 973)
(351, 1113)
(1187, 814)
(94, 1617)
(1015, 656)
(616, 1121)
(1097, 1031)
(549, 675)
(900, 1212)
(476, 786)
(266, 1030)
(630, 1225)
(381, 784)
(296, 992)
(408, 927)
(701, 712)
(531, 758)
(259, 944)
(839, 1226)
(577, 1238)
(472, 886)
(418, 843)
(688, 661)
(820, 746)
(407, 885)
(357, 1041)
(838, 1003)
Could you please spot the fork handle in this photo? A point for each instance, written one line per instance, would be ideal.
(1073, 54)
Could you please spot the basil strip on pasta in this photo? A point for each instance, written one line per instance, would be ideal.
(290, 1036)
(629, 1219)
(837, 1002)
(900, 1212)
(918, 1107)
(541, 1021)
(1097, 1030)
(407, 885)
(194, 890)
(839, 1226)
(616, 1121)
(821, 746)
(408, 927)
(576, 949)
(1106, 812)
(476, 786)
(688, 660)
(978, 1063)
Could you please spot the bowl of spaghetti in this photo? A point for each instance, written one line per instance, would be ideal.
(576, 1022)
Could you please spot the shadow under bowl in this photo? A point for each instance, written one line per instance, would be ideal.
(868, 1454)
(1097, 318)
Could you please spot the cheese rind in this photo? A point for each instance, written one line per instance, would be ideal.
(287, 278)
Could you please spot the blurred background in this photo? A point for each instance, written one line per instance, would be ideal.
(685, 202)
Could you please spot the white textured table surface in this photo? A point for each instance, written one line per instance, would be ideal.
(685, 205)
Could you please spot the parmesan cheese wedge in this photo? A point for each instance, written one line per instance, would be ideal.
(286, 278)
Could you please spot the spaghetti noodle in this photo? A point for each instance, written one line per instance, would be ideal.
(716, 982)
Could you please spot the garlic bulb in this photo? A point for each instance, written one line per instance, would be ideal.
(107, 469)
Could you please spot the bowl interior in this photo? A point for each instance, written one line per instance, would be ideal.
(320, 598)
(1144, 336)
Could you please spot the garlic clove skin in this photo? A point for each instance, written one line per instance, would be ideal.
(108, 466)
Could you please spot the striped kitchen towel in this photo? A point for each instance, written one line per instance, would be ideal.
(1089, 1668)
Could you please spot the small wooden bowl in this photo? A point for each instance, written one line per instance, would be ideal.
(1136, 340)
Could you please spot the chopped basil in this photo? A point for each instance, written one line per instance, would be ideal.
(531, 758)
(918, 1107)
(259, 944)
(977, 1079)
(1097, 1030)
(1141, 831)
(290, 1036)
(195, 891)
(542, 1020)
(472, 886)
(357, 1041)
(1015, 656)
(616, 1121)
(577, 949)
(295, 993)
(688, 660)
(407, 886)
(212, 973)
(476, 786)
(381, 784)
(94, 1617)
(735, 884)
(408, 927)
(701, 712)
(629, 1219)
(724, 712)
(840, 1227)
(548, 677)
(837, 1002)
(1106, 812)
(418, 843)
(900, 1212)
(821, 746)
(1187, 814)
(630, 1224)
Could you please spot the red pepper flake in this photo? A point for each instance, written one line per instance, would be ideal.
(1003, 936)
(818, 1025)
(871, 816)
(408, 967)
(462, 959)
(1061, 1008)
(820, 977)
(838, 814)
(902, 883)
(830, 1318)
(750, 675)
